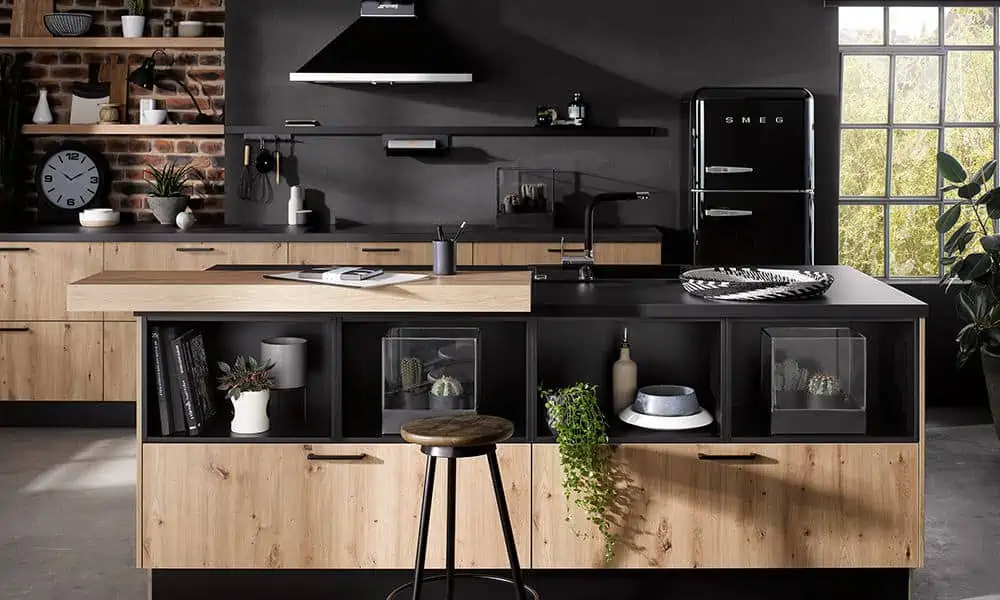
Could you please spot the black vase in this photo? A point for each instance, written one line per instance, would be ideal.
(991, 369)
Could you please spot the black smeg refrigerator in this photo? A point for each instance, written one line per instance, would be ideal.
(752, 176)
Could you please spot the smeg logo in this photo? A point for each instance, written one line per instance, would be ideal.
(748, 120)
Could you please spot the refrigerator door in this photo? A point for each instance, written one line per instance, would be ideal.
(753, 228)
(752, 140)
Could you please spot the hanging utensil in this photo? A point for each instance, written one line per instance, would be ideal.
(265, 159)
(246, 180)
(277, 161)
(264, 165)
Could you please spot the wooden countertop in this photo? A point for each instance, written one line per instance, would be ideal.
(250, 291)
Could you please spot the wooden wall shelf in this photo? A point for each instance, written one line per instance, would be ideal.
(115, 129)
(112, 43)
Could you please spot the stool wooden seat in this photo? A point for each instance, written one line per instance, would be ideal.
(457, 431)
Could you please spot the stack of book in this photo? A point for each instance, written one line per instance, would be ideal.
(183, 381)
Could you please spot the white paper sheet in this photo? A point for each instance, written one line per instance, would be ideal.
(379, 281)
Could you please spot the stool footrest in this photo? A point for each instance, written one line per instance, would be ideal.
(458, 451)
(394, 593)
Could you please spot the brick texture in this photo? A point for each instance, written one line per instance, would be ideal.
(202, 71)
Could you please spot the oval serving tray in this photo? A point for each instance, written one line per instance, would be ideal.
(750, 285)
(696, 421)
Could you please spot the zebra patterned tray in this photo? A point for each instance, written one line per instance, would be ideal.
(749, 285)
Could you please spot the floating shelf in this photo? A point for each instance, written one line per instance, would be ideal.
(461, 131)
(115, 129)
(150, 43)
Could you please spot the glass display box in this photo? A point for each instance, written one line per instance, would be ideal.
(428, 372)
(815, 379)
(525, 198)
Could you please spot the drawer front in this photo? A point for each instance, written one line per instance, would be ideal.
(195, 256)
(121, 348)
(33, 279)
(271, 507)
(51, 361)
(371, 253)
(550, 254)
(791, 506)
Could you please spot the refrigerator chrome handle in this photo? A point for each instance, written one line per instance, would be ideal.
(719, 170)
(727, 212)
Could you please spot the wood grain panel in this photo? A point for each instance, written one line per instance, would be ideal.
(195, 256)
(46, 361)
(28, 18)
(267, 506)
(33, 279)
(120, 352)
(852, 505)
(533, 253)
(370, 253)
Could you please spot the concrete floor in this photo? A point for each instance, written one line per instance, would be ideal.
(67, 514)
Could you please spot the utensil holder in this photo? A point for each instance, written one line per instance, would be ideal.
(444, 257)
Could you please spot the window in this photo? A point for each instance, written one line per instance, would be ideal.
(914, 81)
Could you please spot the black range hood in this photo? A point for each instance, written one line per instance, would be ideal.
(388, 44)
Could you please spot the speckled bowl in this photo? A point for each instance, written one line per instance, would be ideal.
(666, 401)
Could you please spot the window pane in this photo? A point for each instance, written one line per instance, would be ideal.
(913, 241)
(866, 89)
(970, 87)
(968, 26)
(917, 98)
(972, 146)
(913, 26)
(862, 162)
(914, 153)
(862, 234)
(862, 26)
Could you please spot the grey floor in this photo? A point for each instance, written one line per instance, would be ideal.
(67, 513)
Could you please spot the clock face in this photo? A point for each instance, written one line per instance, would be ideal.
(70, 179)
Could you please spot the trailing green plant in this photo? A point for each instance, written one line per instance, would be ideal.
(169, 180)
(978, 271)
(447, 387)
(411, 371)
(136, 8)
(245, 375)
(585, 453)
(824, 385)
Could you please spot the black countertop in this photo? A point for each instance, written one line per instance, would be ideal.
(152, 232)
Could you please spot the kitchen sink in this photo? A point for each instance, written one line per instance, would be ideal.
(571, 273)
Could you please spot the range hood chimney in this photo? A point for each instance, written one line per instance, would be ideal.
(388, 44)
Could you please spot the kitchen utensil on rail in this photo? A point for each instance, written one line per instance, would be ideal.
(264, 164)
(265, 159)
(277, 161)
(246, 180)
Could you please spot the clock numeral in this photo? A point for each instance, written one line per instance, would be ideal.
(47, 179)
(94, 180)
(70, 201)
(75, 156)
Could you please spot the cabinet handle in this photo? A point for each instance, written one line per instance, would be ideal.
(729, 457)
(15, 329)
(560, 251)
(384, 250)
(15, 249)
(195, 249)
(342, 457)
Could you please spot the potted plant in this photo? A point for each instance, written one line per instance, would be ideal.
(585, 452)
(824, 392)
(134, 23)
(414, 390)
(247, 384)
(446, 393)
(166, 198)
(976, 273)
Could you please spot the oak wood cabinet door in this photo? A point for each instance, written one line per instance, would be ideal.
(47, 361)
(268, 506)
(370, 253)
(685, 506)
(195, 256)
(534, 253)
(33, 279)
(120, 352)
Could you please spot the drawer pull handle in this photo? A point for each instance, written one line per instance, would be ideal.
(15, 329)
(384, 250)
(560, 250)
(342, 457)
(196, 249)
(15, 249)
(729, 457)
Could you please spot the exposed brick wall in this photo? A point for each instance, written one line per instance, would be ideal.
(202, 71)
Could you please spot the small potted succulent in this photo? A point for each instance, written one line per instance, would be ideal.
(247, 384)
(414, 392)
(446, 393)
(134, 23)
(824, 392)
(790, 383)
(166, 195)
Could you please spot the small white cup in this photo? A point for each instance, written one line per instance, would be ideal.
(302, 217)
(157, 116)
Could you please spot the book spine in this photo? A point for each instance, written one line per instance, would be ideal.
(189, 398)
(162, 385)
(204, 377)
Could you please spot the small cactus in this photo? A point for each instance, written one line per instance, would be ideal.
(447, 387)
(790, 377)
(411, 370)
(824, 385)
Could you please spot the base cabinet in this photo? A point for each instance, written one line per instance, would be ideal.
(791, 506)
(46, 361)
(534, 253)
(121, 346)
(268, 506)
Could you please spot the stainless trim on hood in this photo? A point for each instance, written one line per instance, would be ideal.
(381, 77)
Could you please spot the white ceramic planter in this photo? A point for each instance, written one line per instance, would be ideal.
(250, 413)
(133, 26)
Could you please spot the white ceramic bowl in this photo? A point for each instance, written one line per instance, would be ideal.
(157, 116)
(191, 28)
(100, 217)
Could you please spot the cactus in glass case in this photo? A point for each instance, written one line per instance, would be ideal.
(824, 385)
(790, 377)
(411, 372)
(447, 386)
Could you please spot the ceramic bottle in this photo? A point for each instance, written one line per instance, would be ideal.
(43, 113)
(624, 377)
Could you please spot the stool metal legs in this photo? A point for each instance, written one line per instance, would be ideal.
(449, 556)
(508, 531)
(425, 524)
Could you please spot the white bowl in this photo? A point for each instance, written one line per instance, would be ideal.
(100, 217)
(191, 28)
(157, 116)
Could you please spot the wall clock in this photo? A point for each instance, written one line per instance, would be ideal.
(70, 178)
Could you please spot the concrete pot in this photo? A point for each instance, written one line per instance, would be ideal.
(166, 208)
(991, 370)
(133, 26)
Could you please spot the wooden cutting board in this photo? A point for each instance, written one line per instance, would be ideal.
(114, 70)
(28, 18)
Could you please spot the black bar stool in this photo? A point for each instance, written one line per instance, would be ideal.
(460, 436)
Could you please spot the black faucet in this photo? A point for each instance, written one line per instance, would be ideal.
(586, 261)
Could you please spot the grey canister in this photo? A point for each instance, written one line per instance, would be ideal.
(289, 357)
(444, 257)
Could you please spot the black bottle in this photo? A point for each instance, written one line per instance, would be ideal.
(577, 111)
